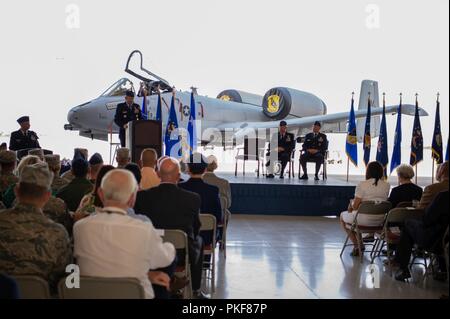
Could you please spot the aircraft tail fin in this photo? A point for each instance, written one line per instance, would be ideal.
(368, 86)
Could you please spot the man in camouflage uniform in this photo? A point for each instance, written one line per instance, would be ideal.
(56, 210)
(54, 165)
(30, 243)
(8, 161)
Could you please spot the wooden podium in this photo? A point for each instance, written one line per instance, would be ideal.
(144, 134)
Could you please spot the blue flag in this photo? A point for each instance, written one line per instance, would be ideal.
(397, 153)
(416, 140)
(367, 143)
(144, 107)
(172, 137)
(436, 145)
(192, 128)
(382, 148)
(159, 109)
(351, 144)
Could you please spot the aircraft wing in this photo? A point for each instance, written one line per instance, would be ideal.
(331, 123)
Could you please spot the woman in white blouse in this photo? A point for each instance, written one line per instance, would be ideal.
(374, 188)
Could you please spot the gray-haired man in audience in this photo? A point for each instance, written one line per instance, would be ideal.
(115, 245)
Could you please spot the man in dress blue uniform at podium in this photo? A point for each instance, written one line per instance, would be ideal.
(126, 112)
(23, 138)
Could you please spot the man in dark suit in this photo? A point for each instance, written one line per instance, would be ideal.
(125, 113)
(171, 207)
(209, 194)
(425, 233)
(23, 138)
(314, 149)
(280, 148)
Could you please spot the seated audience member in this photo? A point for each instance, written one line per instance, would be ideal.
(9, 195)
(3, 147)
(425, 233)
(209, 194)
(32, 244)
(8, 288)
(160, 160)
(407, 191)
(136, 171)
(123, 157)
(212, 179)
(54, 164)
(170, 207)
(73, 192)
(95, 164)
(39, 152)
(431, 191)
(56, 210)
(77, 153)
(374, 188)
(8, 161)
(148, 164)
(91, 202)
(114, 245)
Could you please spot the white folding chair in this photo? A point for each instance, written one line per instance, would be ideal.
(179, 240)
(224, 226)
(389, 236)
(32, 287)
(209, 224)
(102, 288)
(366, 208)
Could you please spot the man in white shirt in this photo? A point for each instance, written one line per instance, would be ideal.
(113, 244)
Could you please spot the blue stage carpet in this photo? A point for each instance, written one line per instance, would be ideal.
(290, 197)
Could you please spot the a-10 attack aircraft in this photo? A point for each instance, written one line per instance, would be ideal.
(233, 110)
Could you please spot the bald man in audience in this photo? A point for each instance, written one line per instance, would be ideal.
(431, 191)
(170, 207)
(113, 244)
(149, 178)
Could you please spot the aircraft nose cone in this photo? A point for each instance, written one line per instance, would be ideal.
(72, 116)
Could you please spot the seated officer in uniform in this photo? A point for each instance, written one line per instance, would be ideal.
(315, 146)
(282, 150)
(126, 112)
(23, 138)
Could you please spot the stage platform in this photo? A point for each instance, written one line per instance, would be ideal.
(294, 197)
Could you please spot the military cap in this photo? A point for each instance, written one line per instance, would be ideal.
(23, 119)
(53, 160)
(123, 153)
(37, 152)
(96, 159)
(8, 157)
(283, 123)
(317, 123)
(37, 174)
(129, 94)
(80, 153)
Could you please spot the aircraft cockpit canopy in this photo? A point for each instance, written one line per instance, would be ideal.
(119, 88)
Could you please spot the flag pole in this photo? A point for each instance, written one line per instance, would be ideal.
(432, 171)
(348, 167)
(348, 157)
(417, 164)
